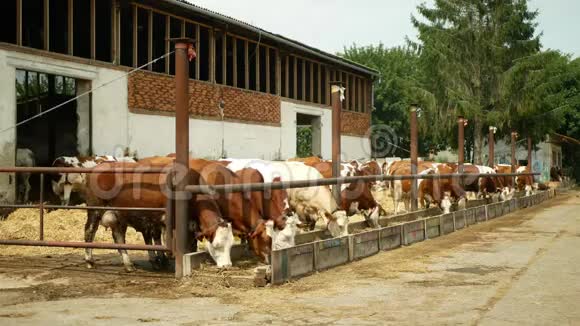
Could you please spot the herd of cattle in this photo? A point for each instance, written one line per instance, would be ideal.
(265, 220)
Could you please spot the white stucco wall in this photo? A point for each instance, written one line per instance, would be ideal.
(155, 135)
(7, 120)
(355, 148)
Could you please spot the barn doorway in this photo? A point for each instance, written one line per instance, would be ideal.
(53, 134)
(308, 135)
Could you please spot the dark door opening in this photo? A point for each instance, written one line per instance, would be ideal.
(51, 135)
(308, 141)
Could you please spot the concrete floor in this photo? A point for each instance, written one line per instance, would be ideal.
(523, 268)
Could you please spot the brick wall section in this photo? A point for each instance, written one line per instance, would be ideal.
(355, 123)
(156, 93)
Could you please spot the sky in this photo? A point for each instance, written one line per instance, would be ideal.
(330, 25)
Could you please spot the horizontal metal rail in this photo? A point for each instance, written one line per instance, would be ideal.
(55, 170)
(94, 245)
(96, 208)
(232, 188)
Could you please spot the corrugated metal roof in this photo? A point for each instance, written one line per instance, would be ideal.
(277, 37)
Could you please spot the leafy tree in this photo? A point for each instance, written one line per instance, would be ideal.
(399, 86)
(536, 93)
(571, 120)
(304, 142)
(466, 47)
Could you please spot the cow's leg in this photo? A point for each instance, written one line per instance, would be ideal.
(161, 257)
(27, 187)
(119, 232)
(91, 226)
(396, 192)
(148, 238)
(407, 201)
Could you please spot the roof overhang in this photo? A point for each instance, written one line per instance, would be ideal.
(564, 139)
(274, 37)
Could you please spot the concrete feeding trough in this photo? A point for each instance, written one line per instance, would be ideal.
(447, 224)
(413, 232)
(316, 252)
(365, 244)
(513, 205)
(506, 207)
(480, 214)
(332, 252)
(470, 216)
(390, 237)
(459, 220)
(433, 227)
(292, 262)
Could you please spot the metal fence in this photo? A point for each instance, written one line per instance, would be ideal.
(171, 226)
(41, 206)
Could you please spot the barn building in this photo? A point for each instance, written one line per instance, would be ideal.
(252, 91)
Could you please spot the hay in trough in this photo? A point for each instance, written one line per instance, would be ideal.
(59, 225)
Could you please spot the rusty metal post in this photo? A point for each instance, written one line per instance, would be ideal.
(336, 90)
(491, 146)
(414, 154)
(514, 161)
(41, 207)
(170, 213)
(182, 152)
(530, 153)
(460, 146)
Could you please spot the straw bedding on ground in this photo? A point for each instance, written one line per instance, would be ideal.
(59, 225)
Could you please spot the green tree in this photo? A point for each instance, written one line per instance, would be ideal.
(399, 85)
(466, 47)
(536, 92)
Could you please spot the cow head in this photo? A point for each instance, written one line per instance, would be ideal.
(446, 203)
(262, 239)
(504, 193)
(511, 194)
(220, 246)
(372, 216)
(66, 184)
(528, 190)
(285, 238)
(461, 203)
(338, 224)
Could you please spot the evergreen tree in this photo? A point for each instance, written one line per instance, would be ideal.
(466, 47)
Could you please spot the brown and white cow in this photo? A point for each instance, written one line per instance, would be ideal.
(272, 204)
(148, 190)
(373, 168)
(243, 212)
(64, 184)
(401, 189)
(312, 203)
(355, 197)
(24, 158)
(525, 182)
(482, 186)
